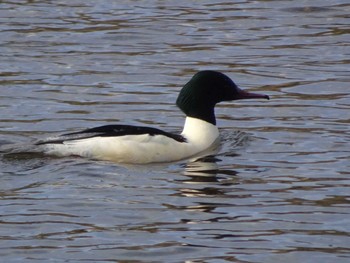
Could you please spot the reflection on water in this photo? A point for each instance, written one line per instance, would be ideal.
(275, 191)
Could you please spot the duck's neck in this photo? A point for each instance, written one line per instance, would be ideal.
(200, 132)
(206, 114)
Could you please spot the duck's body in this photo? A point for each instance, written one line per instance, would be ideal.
(134, 144)
(139, 145)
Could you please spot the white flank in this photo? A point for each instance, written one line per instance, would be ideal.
(137, 149)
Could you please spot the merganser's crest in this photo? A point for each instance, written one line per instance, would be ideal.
(199, 96)
(133, 144)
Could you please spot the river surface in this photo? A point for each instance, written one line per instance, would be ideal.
(278, 190)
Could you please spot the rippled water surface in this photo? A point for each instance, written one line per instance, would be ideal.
(278, 189)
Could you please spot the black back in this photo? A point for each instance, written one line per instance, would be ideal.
(113, 131)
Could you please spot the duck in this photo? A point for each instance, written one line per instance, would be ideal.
(131, 144)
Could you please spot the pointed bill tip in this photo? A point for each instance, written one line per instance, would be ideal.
(242, 95)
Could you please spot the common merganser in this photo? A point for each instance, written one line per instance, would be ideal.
(140, 145)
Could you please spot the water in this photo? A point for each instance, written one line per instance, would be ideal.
(278, 189)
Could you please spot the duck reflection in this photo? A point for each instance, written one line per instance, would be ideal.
(203, 178)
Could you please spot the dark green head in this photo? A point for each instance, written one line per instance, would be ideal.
(199, 96)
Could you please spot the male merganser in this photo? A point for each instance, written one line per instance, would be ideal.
(140, 145)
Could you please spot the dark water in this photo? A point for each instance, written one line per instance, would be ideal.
(278, 190)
